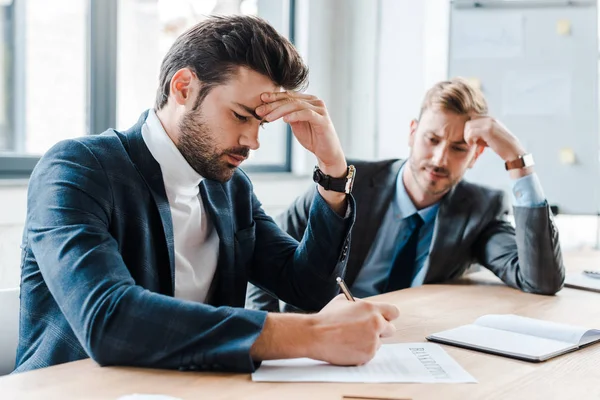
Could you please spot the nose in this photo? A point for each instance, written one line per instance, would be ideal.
(440, 156)
(250, 139)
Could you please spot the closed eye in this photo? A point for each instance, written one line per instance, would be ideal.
(460, 149)
(241, 118)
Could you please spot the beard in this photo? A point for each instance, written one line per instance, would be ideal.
(197, 145)
(434, 188)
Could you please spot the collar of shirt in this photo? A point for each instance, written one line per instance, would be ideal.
(404, 207)
(177, 173)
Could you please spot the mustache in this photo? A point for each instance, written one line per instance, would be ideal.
(241, 151)
(438, 170)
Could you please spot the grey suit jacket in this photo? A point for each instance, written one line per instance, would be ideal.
(470, 228)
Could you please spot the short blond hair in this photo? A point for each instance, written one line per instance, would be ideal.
(457, 96)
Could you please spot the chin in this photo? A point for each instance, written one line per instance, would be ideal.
(433, 188)
(226, 174)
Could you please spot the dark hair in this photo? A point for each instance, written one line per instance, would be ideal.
(217, 46)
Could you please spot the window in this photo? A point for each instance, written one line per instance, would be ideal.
(146, 31)
(67, 72)
(43, 79)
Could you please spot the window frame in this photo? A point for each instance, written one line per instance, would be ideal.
(101, 86)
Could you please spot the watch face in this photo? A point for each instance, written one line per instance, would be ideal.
(528, 160)
(316, 175)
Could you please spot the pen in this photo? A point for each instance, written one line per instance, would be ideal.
(345, 289)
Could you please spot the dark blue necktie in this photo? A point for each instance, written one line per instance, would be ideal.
(403, 264)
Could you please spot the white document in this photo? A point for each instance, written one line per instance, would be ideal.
(581, 281)
(518, 337)
(534, 93)
(479, 35)
(393, 363)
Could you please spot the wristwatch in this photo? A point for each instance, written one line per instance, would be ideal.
(341, 185)
(523, 161)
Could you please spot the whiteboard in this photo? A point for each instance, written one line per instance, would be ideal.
(537, 65)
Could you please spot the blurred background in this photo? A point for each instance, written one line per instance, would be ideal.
(77, 67)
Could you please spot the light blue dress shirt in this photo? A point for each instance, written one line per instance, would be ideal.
(526, 192)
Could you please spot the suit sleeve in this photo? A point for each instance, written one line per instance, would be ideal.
(293, 221)
(528, 257)
(116, 321)
(302, 273)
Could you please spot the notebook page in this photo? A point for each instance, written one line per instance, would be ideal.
(504, 342)
(590, 336)
(399, 362)
(534, 327)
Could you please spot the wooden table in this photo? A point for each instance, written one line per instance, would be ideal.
(424, 310)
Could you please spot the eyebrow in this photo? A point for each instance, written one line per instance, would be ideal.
(249, 110)
(457, 142)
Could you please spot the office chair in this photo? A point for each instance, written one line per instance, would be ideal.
(9, 329)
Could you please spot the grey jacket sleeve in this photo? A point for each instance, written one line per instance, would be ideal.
(293, 221)
(528, 257)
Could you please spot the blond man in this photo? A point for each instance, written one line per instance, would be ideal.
(419, 222)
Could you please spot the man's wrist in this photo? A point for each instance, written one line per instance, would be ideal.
(519, 164)
(336, 169)
(520, 172)
(285, 336)
(513, 154)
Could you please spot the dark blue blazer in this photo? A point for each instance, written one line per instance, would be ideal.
(98, 263)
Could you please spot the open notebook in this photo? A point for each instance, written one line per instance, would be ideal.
(518, 337)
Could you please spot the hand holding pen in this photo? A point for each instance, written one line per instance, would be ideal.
(349, 330)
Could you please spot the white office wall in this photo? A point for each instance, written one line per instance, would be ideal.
(339, 41)
(413, 54)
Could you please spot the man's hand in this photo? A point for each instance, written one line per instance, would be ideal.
(488, 132)
(349, 333)
(342, 333)
(311, 125)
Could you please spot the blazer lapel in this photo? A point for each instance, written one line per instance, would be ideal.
(449, 228)
(216, 203)
(150, 170)
(372, 201)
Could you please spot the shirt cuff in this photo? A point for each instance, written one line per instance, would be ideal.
(527, 192)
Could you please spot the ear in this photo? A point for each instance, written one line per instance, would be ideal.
(478, 152)
(414, 124)
(183, 85)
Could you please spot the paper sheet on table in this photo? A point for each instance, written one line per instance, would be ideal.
(393, 363)
(480, 35)
(531, 93)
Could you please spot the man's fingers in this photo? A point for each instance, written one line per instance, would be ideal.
(302, 115)
(287, 109)
(285, 106)
(473, 116)
(269, 97)
(389, 311)
(388, 330)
